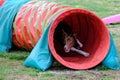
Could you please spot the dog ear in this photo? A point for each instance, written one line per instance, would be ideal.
(64, 33)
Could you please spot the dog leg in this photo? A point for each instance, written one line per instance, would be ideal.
(79, 43)
(86, 54)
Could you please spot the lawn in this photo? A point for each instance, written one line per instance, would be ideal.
(11, 63)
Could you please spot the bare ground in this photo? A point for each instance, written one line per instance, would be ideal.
(86, 75)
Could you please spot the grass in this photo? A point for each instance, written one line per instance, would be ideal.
(101, 7)
(11, 63)
(13, 55)
(107, 78)
(12, 68)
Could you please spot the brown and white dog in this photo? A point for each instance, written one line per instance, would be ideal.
(68, 39)
(71, 43)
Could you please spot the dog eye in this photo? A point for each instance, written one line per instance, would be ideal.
(68, 39)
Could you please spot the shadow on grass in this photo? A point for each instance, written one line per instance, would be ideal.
(15, 53)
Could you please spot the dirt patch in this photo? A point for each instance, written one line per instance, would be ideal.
(14, 64)
(85, 75)
(21, 77)
(115, 30)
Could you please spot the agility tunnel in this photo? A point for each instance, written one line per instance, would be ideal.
(34, 17)
(36, 26)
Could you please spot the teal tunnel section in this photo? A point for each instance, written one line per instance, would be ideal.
(8, 11)
(112, 59)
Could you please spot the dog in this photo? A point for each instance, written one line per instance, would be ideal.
(68, 39)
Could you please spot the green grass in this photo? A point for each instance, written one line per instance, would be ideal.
(11, 63)
(13, 68)
(107, 78)
(47, 75)
(101, 7)
(18, 55)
